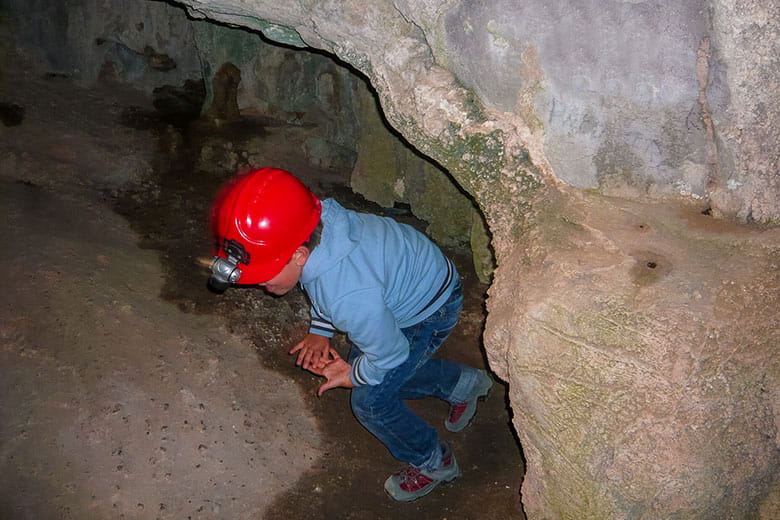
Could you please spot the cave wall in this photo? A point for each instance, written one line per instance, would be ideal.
(641, 350)
(285, 84)
(310, 89)
(581, 326)
(612, 83)
(635, 98)
(154, 44)
(639, 341)
(145, 44)
(628, 98)
(744, 132)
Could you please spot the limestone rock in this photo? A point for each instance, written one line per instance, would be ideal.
(640, 342)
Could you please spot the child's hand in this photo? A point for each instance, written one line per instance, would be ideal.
(336, 371)
(312, 351)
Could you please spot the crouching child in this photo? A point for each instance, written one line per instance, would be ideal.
(384, 284)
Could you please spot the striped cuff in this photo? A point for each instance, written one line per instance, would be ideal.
(322, 327)
(355, 375)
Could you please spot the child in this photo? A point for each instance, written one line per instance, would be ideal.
(384, 284)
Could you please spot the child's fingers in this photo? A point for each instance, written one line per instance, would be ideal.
(317, 371)
(319, 358)
(307, 358)
(320, 363)
(330, 383)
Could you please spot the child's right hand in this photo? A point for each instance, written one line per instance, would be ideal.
(313, 351)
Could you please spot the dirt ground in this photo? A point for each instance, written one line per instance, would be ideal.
(128, 390)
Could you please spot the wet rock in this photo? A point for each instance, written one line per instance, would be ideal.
(224, 86)
(158, 60)
(180, 104)
(11, 114)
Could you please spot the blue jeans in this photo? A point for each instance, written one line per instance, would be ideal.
(381, 408)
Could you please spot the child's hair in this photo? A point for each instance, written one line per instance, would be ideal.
(314, 238)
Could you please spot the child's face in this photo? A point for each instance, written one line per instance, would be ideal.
(283, 282)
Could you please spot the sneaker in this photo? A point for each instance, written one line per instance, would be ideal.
(410, 483)
(461, 414)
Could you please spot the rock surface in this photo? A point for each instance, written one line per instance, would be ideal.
(643, 385)
(632, 98)
(641, 350)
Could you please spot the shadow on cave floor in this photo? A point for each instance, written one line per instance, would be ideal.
(169, 212)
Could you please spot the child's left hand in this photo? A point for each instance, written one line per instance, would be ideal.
(336, 371)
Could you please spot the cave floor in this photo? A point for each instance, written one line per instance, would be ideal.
(130, 391)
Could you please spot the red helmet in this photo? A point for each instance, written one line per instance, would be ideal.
(259, 219)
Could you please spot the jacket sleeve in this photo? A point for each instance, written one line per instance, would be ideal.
(319, 325)
(372, 327)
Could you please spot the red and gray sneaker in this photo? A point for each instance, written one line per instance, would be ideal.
(461, 414)
(410, 483)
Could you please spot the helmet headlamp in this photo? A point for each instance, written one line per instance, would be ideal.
(225, 271)
(266, 213)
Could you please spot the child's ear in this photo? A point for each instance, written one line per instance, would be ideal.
(301, 255)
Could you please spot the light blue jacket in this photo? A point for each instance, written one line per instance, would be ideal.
(369, 277)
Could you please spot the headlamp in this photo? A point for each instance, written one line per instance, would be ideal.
(225, 271)
(223, 274)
